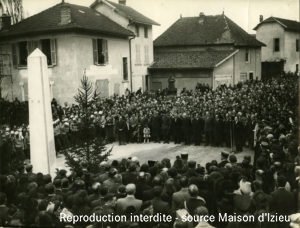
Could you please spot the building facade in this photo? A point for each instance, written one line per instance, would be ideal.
(141, 45)
(210, 50)
(75, 40)
(282, 39)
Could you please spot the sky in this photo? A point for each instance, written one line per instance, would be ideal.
(244, 12)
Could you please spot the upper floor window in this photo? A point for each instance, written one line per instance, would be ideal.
(247, 56)
(276, 44)
(138, 55)
(100, 51)
(297, 45)
(145, 31)
(146, 52)
(137, 31)
(23, 49)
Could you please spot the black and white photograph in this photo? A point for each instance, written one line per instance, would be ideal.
(149, 113)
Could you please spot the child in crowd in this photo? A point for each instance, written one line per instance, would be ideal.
(146, 132)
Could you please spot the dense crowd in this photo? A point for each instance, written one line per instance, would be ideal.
(262, 115)
(127, 188)
(227, 116)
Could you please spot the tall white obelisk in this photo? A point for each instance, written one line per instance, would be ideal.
(42, 150)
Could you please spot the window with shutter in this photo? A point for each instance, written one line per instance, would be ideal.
(100, 51)
(53, 52)
(95, 51)
(105, 50)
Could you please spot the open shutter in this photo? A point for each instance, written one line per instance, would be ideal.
(105, 50)
(53, 52)
(95, 51)
(14, 55)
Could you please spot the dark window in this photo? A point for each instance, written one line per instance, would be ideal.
(125, 69)
(251, 76)
(247, 55)
(297, 45)
(297, 68)
(276, 44)
(145, 31)
(137, 31)
(23, 53)
(46, 49)
(100, 51)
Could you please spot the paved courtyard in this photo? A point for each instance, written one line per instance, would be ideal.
(158, 151)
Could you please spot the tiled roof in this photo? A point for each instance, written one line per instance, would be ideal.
(130, 13)
(214, 30)
(84, 19)
(207, 59)
(289, 25)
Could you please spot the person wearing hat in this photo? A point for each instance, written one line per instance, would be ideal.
(224, 159)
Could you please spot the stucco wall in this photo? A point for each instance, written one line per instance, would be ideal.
(222, 71)
(266, 34)
(139, 70)
(253, 65)
(74, 54)
(292, 57)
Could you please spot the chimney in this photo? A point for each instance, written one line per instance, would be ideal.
(122, 2)
(65, 15)
(201, 18)
(261, 18)
(5, 22)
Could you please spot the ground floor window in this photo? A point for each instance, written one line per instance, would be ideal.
(125, 69)
(22, 49)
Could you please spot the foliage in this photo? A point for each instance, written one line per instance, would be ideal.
(13, 8)
(90, 151)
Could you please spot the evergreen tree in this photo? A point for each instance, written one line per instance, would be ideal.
(90, 151)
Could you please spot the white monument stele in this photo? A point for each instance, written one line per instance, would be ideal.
(42, 149)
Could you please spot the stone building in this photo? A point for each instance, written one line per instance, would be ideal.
(209, 50)
(75, 39)
(282, 50)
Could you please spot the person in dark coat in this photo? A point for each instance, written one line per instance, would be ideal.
(155, 127)
(186, 128)
(121, 128)
(282, 201)
(238, 134)
(165, 127)
(208, 124)
(176, 129)
(196, 129)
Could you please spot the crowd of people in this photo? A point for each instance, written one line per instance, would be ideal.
(261, 115)
(127, 188)
(227, 116)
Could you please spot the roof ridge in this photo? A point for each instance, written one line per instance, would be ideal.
(280, 18)
(227, 25)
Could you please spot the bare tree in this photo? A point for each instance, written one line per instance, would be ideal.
(14, 8)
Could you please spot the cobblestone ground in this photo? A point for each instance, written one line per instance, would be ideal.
(158, 151)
